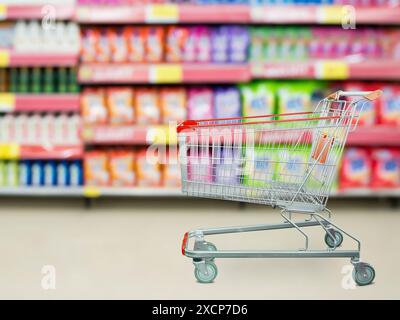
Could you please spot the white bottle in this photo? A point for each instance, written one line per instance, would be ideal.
(21, 128)
(47, 129)
(21, 41)
(35, 37)
(73, 129)
(33, 130)
(60, 129)
(7, 128)
(73, 38)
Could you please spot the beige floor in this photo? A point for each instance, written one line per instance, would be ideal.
(124, 249)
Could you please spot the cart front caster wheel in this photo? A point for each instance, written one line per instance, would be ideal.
(338, 238)
(208, 275)
(211, 247)
(364, 275)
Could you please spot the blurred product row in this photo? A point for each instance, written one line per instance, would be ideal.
(36, 37)
(222, 44)
(39, 80)
(231, 44)
(150, 105)
(377, 168)
(201, 43)
(250, 2)
(40, 129)
(41, 173)
(301, 43)
(203, 2)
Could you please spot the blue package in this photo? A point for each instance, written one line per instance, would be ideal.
(37, 173)
(220, 43)
(50, 173)
(62, 174)
(228, 169)
(76, 173)
(25, 174)
(239, 42)
(227, 103)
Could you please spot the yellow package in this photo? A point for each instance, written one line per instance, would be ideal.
(147, 106)
(173, 104)
(122, 168)
(120, 105)
(96, 168)
(93, 106)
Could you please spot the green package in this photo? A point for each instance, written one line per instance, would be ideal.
(295, 96)
(322, 172)
(258, 98)
(11, 173)
(257, 44)
(259, 170)
(2, 174)
(292, 165)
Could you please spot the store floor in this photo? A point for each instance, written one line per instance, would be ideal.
(130, 249)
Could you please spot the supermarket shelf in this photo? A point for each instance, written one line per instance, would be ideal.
(42, 191)
(226, 13)
(15, 12)
(96, 192)
(54, 153)
(140, 135)
(39, 102)
(138, 192)
(298, 14)
(374, 136)
(103, 73)
(163, 13)
(96, 73)
(328, 69)
(15, 151)
(128, 134)
(9, 58)
(366, 193)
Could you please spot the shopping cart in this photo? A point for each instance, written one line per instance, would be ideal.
(287, 161)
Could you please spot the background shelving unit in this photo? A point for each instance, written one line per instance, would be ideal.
(93, 74)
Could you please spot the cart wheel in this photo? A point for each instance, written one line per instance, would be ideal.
(209, 275)
(364, 275)
(211, 247)
(330, 242)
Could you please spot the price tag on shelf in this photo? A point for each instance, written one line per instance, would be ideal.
(331, 70)
(87, 133)
(330, 14)
(91, 192)
(156, 135)
(3, 12)
(4, 58)
(9, 151)
(167, 73)
(7, 102)
(162, 13)
(162, 135)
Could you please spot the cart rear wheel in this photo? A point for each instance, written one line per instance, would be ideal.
(208, 275)
(338, 239)
(211, 247)
(364, 275)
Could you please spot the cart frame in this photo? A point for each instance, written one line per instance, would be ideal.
(204, 252)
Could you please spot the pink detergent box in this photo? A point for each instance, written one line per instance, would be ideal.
(385, 168)
(356, 168)
(200, 103)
